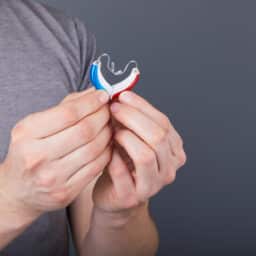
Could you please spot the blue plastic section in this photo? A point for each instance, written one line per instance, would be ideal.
(92, 73)
(94, 77)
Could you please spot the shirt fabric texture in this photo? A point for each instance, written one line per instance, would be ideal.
(44, 55)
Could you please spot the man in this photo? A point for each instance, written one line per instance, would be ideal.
(60, 149)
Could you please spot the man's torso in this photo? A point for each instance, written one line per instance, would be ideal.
(39, 65)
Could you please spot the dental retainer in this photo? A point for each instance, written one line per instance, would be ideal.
(114, 90)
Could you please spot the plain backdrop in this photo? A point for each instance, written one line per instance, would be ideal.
(198, 62)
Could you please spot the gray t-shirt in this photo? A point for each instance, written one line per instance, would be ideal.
(44, 55)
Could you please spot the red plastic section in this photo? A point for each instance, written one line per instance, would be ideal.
(129, 88)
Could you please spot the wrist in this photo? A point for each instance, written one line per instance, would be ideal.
(14, 215)
(118, 219)
(14, 218)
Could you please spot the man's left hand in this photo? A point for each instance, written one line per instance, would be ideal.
(147, 155)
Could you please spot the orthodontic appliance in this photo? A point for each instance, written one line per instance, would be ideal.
(99, 81)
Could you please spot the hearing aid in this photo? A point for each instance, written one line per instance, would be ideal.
(114, 90)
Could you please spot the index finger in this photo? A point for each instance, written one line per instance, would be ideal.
(76, 95)
(48, 122)
(134, 100)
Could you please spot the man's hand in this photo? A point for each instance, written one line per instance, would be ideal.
(54, 154)
(148, 154)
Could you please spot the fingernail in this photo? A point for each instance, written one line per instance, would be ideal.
(103, 96)
(115, 107)
(125, 96)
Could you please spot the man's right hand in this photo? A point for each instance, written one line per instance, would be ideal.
(55, 153)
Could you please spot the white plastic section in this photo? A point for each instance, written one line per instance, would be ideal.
(120, 86)
(103, 81)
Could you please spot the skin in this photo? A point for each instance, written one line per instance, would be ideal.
(104, 161)
(147, 153)
(53, 155)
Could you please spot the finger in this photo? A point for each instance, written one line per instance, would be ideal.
(74, 137)
(76, 95)
(121, 177)
(46, 123)
(83, 155)
(136, 121)
(123, 154)
(141, 125)
(134, 100)
(90, 171)
(149, 131)
(144, 160)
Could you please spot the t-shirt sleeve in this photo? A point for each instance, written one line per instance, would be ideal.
(87, 48)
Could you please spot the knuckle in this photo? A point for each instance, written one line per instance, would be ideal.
(170, 178)
(46, 180)
(22, 127)
(145, 158)
(18, 131)
(165, 121)
(85, 131)
(182, 157)
(31, 161)
(159, 138)
(69, 115)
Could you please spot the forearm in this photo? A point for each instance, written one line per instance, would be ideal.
(121, 235)
(12, 223)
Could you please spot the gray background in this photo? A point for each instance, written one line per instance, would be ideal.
(198, 66)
